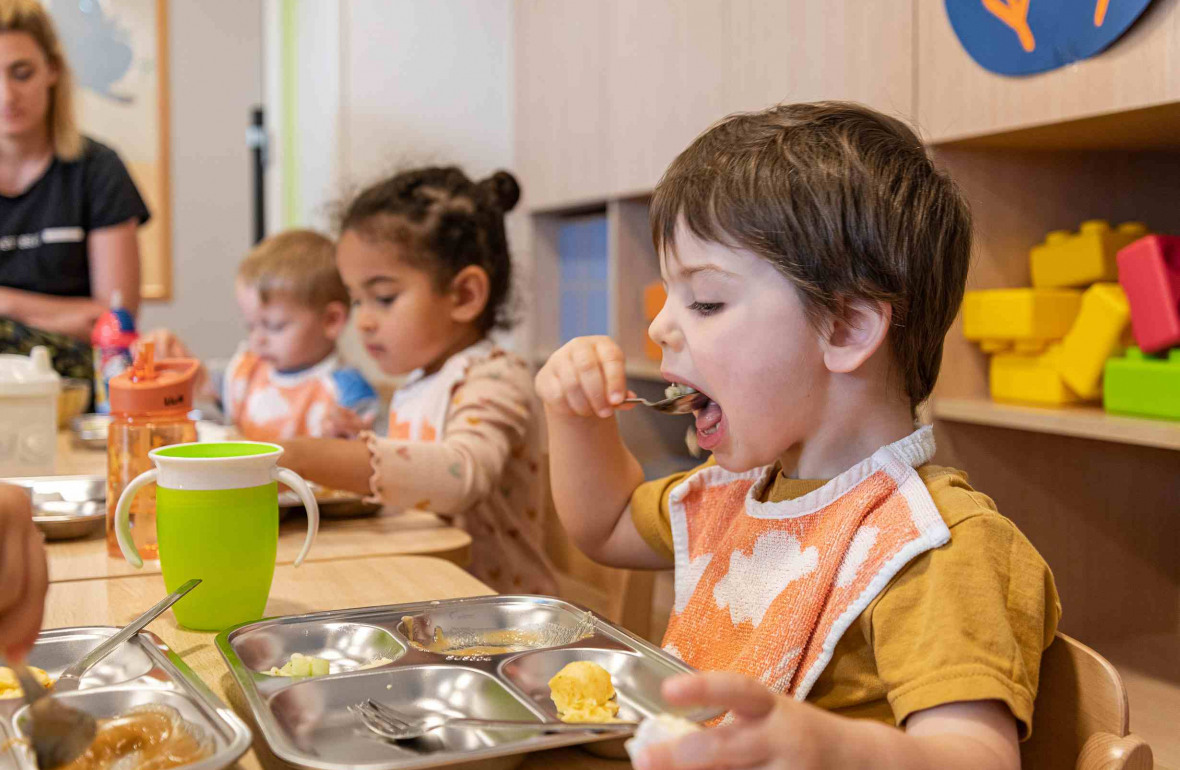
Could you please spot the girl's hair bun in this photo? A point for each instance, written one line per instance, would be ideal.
(501, 190)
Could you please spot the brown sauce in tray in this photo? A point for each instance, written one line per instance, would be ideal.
(145, 738)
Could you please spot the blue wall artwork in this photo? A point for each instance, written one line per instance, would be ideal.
(1023, 37)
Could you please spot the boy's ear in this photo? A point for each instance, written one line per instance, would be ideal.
(334, 317)
(469, 294)
(855, 334)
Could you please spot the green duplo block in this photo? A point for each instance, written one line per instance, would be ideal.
(1143, 385)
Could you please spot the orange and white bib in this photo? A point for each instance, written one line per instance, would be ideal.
(768, 589)
(418, 411)
(268, 405)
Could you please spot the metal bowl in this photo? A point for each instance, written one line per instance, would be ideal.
(72, 400)
(67, 519)
(90, 430)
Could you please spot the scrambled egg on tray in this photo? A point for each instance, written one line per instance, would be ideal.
(10, 687)
(583, 693)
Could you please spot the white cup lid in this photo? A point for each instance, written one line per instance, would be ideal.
(30, 375)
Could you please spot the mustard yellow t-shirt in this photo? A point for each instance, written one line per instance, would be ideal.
(966, 621)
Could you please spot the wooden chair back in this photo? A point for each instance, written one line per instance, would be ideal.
(622, 596)
(1082, 718)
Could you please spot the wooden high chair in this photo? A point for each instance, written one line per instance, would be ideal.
(620, 595)
(1082, 717)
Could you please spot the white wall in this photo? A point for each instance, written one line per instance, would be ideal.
(427, 83)
(401, 83)
(215, 49)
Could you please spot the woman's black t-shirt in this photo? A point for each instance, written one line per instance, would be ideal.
(43, 230)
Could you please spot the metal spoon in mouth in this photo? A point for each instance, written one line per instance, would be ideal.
(679, 399)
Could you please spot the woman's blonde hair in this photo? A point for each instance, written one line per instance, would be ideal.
(30, 17)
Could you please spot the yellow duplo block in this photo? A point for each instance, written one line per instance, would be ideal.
(995, 346)
(1082, 258)
(1096, 336)
(1031, 379)
(1029, 318)
(1030, 347)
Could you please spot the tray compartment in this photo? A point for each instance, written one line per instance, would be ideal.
(313, 714)
(346, 646)
(539, 625)
(637, 679)
(57, 651)
(112, 702)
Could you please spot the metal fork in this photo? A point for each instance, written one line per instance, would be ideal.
(59, 734)
(396, 726)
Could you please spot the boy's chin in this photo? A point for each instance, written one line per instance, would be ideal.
(734, 462)
(739, 461)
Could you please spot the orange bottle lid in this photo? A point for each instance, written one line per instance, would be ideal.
(149, 385)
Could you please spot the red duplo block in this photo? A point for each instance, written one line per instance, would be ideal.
(1149, 271)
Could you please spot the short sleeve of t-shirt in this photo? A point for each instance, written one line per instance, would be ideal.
(112, 197)
(650, 512)
(44, 230)
(969, 620)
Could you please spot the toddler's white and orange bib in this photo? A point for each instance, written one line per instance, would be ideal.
(767, 589)
(268, 405)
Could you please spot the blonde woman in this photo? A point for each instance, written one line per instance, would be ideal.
(69, 211)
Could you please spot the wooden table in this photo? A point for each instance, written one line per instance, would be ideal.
(76, 461)
(415, 533)
(358, 582)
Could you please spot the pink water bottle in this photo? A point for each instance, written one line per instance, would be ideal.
(113, 339)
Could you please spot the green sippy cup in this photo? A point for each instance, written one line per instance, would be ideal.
(217, 519)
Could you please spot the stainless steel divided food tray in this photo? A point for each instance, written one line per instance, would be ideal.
(307, 721)
(142, 671)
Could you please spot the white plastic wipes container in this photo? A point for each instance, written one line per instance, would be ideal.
(28, 414)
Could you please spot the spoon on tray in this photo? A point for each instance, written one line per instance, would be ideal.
(678, 399)
(72, 676)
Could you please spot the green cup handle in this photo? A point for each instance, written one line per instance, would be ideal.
(296, 482)
(123, 513)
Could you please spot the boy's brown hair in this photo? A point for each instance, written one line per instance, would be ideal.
(846, 203)
(296, 265)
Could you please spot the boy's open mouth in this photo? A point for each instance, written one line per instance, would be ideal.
(708, 418)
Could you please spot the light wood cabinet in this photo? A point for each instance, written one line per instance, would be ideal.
(609, 91)
(958, 99)
(561, 135)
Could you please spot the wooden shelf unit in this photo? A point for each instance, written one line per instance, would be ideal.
(1097, 494)
(1079, 421)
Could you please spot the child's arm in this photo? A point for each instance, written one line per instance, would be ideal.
(489, 419)
(773, 731)
(592, 473)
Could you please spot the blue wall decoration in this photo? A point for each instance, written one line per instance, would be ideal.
(1023, 37)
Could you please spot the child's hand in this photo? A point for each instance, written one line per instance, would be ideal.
(342, 422)
(769, 731)
(585, 377)
(168, 345)
(23, 575)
